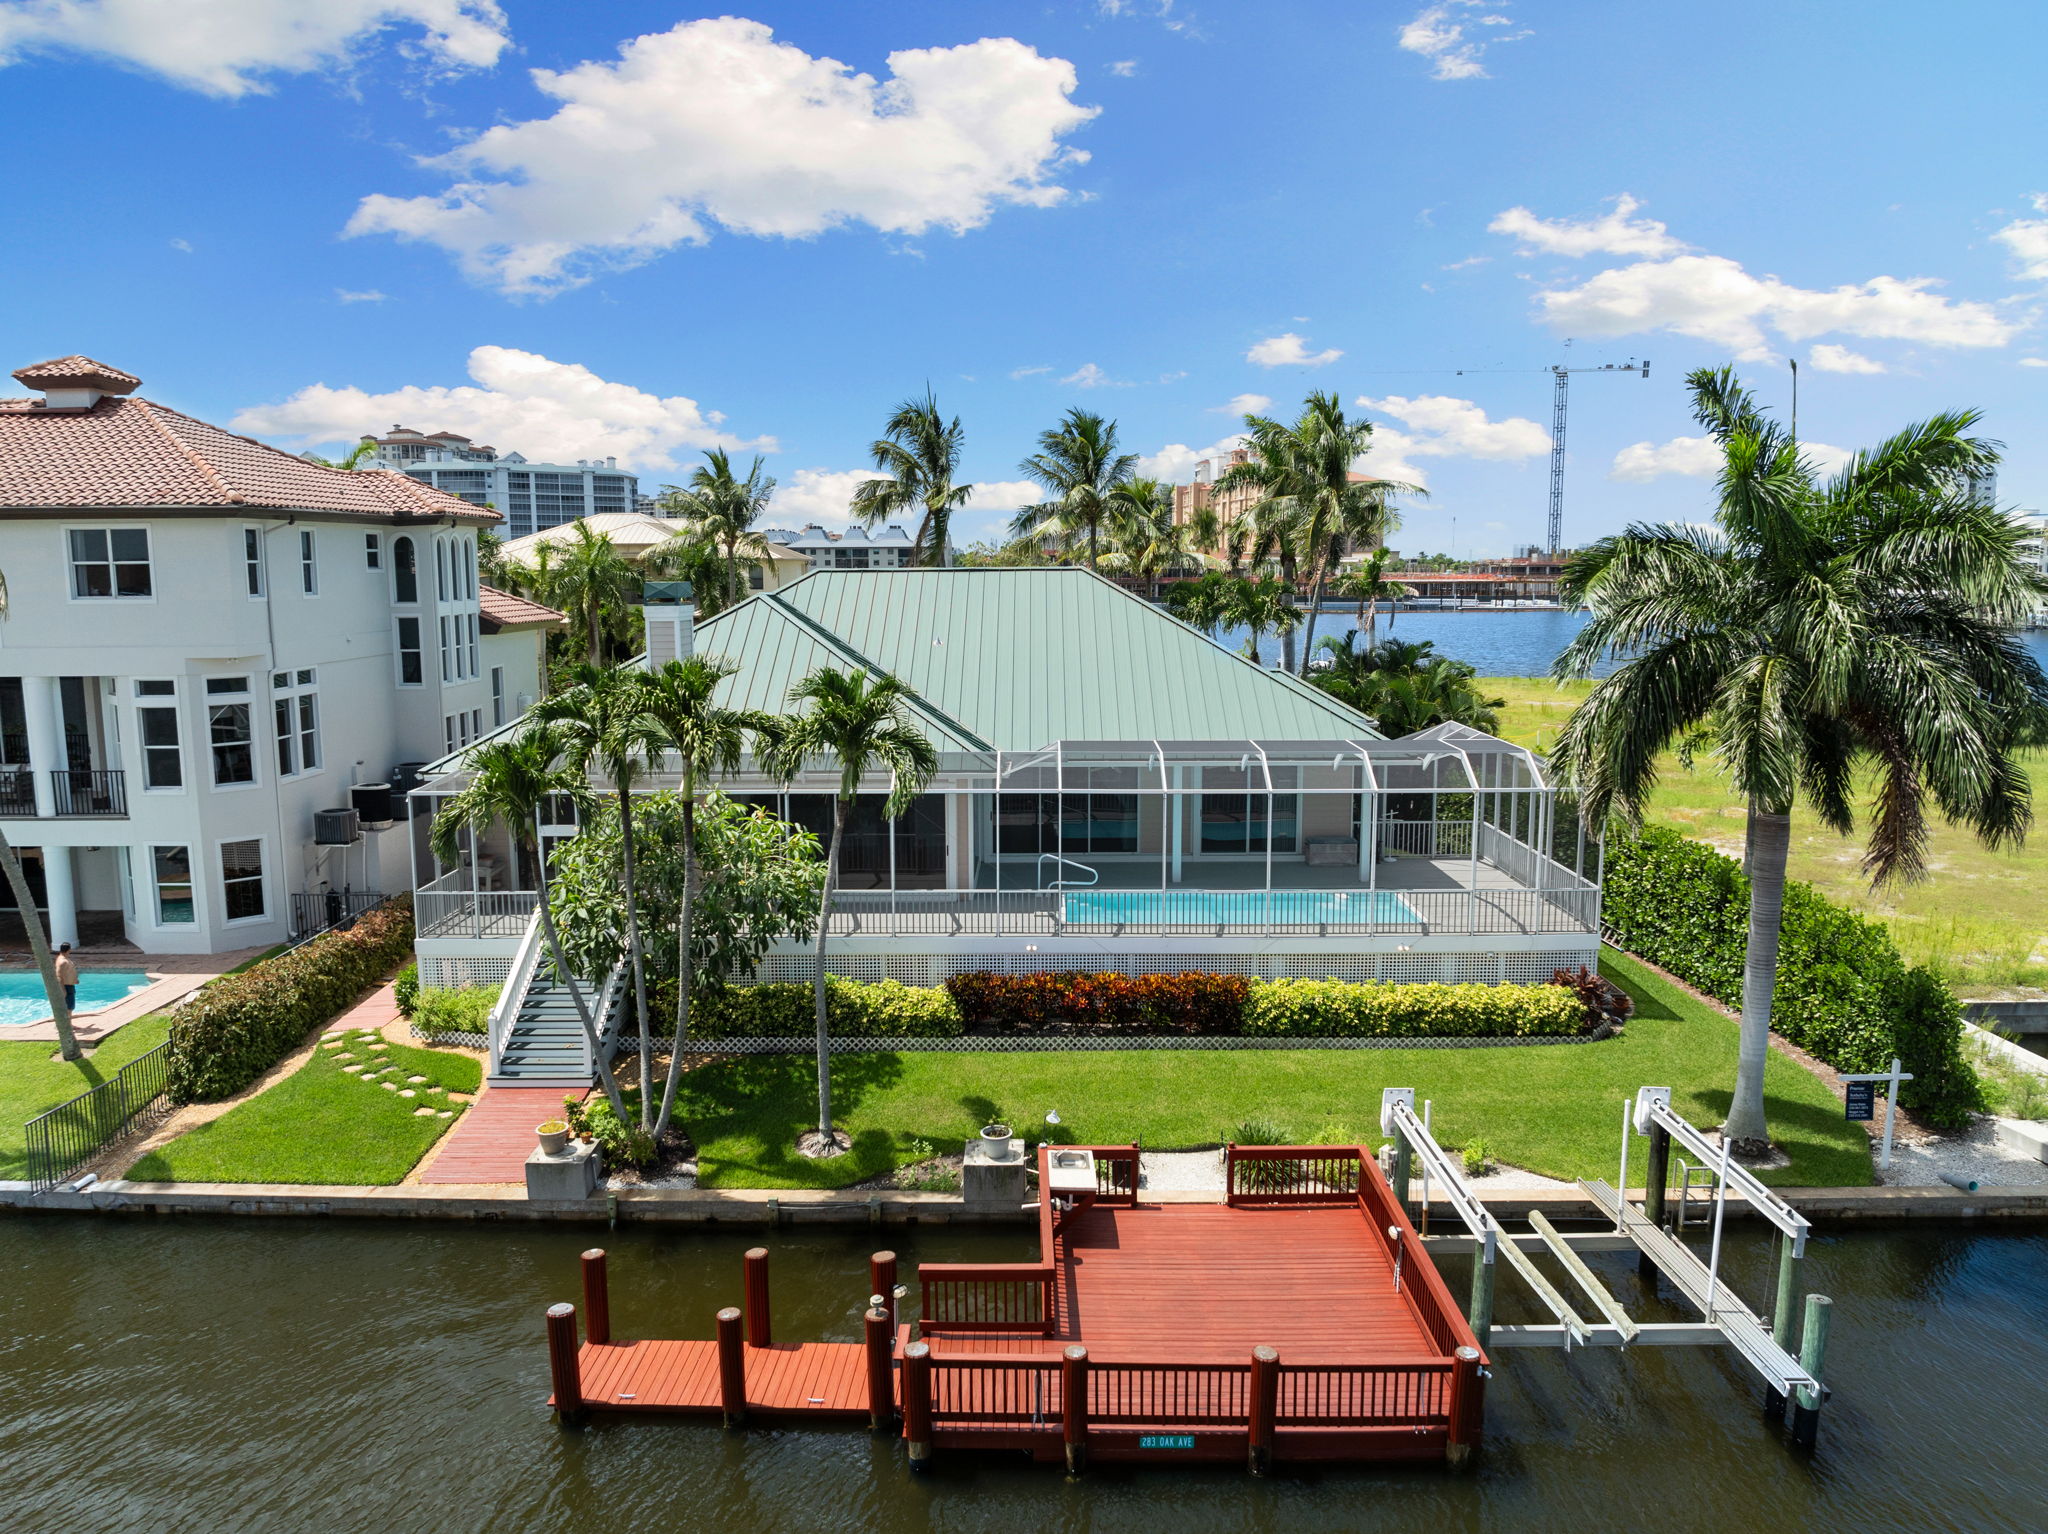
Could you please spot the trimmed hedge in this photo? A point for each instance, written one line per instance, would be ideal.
(442, 1012)
(1843, 993)
(1383, 1009)
(241, 1025)
(982, 1004)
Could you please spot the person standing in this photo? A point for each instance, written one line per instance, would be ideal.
(67, 976)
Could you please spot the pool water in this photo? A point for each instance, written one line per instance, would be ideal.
(1216, 908)
(22, 1000)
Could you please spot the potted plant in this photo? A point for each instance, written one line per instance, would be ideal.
(996, 1136)
(554, 1136)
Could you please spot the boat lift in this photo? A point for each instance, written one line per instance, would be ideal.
(1726, 1320)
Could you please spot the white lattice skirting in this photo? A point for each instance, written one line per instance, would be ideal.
(446, 973)
(1404, 968)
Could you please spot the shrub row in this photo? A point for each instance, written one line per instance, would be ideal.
(439, 1013)
(1051, 1005)
(239, 1026)
(1843, 992)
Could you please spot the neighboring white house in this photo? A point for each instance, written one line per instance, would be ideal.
(854, 549)
(532, 496)
(209, 642)
(633, 533)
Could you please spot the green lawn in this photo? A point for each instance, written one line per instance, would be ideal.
(33, 1080)
(325, 1123)
(1554, 1109)
(1981, 917)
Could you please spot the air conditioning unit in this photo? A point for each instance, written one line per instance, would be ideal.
(336, 828)
(372, 801)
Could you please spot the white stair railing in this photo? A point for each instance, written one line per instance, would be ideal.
(513, 995)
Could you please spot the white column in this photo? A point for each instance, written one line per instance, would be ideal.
(1177, 819)
(63, 895)
(43, 705)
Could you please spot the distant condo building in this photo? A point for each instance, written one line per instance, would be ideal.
(532, 496)
(854, 549)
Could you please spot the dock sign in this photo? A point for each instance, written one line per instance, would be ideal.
(1862, 1104)
(1166, 1440)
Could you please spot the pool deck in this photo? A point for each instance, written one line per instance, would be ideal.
(172, 977)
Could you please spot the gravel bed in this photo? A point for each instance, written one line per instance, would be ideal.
(1918, 1162)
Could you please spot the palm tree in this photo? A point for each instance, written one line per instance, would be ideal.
(591, 582)
(509, 781)
(1263, 606)
(1404, 687)
(1078, 464)
(864, 726)
(350, 461)
(1145, 540)
(920, 452)
(704, 740)
(602, 719)
(722, 508)
(1206, 604)
(1813, 631)
(1370, 585)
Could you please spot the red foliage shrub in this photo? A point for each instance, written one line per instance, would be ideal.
(1104, 1003)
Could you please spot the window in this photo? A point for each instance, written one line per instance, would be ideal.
(295, 714)
(230, 732)
(162, 764)
(476, 724)
(252, 559)
(309, 564)
(497, 696)
(241, 880)
(172, 871)
(440, 569)
(409, 673)
(447, 654)
(1248, 820)
(405, 574)
(110, 562)
(470, 619)
(373, 551)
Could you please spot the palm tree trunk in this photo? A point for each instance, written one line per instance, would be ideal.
(685, 973)
(818, 978)
(639, 966)
(1091, 545)
(39, 945)
(554, 942)
(1770, 841)
(1315, 611)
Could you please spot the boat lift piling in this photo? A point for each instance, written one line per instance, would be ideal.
(1726, 1320)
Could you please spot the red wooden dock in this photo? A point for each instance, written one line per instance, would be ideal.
(1301, 1320)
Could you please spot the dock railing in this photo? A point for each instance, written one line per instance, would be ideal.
(1291, 1174)
(987, 1296)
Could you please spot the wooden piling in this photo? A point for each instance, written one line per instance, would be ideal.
(917, 1403)
(1656, 1174)
(879, 1337)
(563, 1369)
(1467, 1410)
(1784, 1311)
(882, 1281)
(1074, 1406)
(1480, 1313)
(1813, 1347)
(732, 1367)
(597, 1299)
(1265, 1408)
(759, 1333)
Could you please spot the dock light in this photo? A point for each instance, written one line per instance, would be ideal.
(901, 1293)
(876, 1302)
(1394, 1235)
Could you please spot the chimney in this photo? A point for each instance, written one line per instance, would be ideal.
(669, 611)
(75, 383)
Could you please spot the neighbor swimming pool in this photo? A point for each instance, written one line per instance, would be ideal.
(22, 1000)
(1234, 908)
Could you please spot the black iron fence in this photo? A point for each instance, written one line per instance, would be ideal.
(323, 909)
(71, 1134)
(17, 791)
(90, 793)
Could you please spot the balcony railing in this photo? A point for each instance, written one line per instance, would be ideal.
(17, 792)
(449, 908)
(83, 793)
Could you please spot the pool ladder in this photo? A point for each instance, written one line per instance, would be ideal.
(1094, 875)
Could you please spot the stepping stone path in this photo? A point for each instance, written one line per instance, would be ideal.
(347, 1054)
(351, 1068)
(415, 1080)
(425, 1113)
(443, 1114)
(408, 1092)
(389, 1086)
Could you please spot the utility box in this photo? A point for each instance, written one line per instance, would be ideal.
(570, 1175)
(993, 1180)
(336, 828)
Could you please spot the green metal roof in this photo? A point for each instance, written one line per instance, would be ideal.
(1013, 660)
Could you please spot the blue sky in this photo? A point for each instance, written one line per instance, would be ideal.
(315, 218)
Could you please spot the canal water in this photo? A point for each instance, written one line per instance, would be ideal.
(389, 1377)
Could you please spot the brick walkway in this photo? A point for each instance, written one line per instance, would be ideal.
(494, 1136)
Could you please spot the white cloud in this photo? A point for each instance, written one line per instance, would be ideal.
(1442, 427)
(2027, 239)
(183, 245)
(353, 296)
(1004, 495)
(1839, 359)
(1616, 232)
(1438, 34)
(1245, 404)
(1175, 463)
(1089, 376)
(823, 496)
(714, 124)
(1641, 462)
(2034, 362)
(1699, 457)
(521, 402)
(1124, 68)
(1289, 350)
(225, 47)
(1028, 372)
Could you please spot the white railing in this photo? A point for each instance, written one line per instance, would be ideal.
(512, 996)
(611, 1013)
(1525, 864)
(450, 907)
(1427, 838)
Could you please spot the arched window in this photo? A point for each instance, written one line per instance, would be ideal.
(405, 574)
(440, 569)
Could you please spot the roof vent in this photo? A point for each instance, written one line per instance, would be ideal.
(75, 383)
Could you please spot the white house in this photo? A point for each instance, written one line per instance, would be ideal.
(854, 549)
(208, 642)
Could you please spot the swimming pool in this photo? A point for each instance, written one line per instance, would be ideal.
(22, 1000)
(1246, 908)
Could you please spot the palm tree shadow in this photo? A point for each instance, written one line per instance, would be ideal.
(764, 1102)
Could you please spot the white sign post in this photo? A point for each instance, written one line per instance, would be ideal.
(1891, 1106)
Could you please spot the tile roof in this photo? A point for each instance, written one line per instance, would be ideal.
(134, 454)
(502, 610)
(78, 373)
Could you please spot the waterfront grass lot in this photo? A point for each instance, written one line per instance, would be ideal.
(33, 1081)
(1553, 1109)
(1981, 920)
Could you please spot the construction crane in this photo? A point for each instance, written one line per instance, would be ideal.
(1557, 414)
